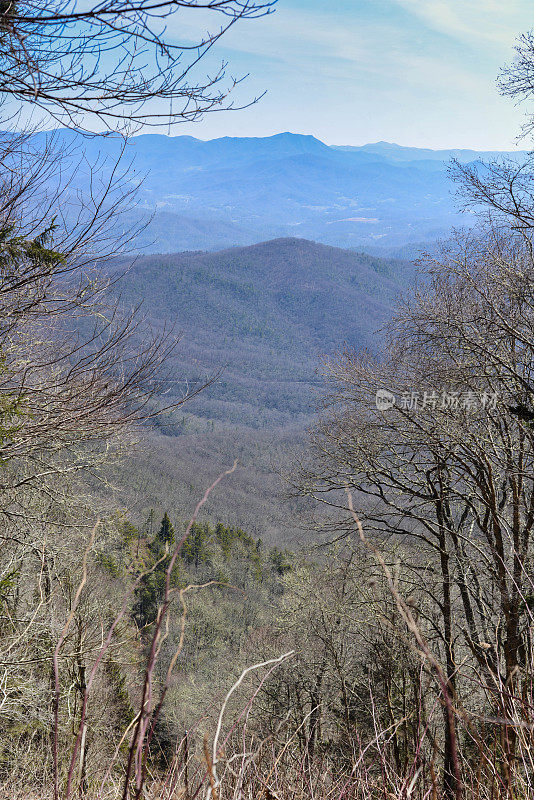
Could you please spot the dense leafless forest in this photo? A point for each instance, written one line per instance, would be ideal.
(309, 575)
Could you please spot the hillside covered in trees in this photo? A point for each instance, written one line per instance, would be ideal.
(264, 314)
(258, 318)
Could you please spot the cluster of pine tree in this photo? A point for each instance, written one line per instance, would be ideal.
(226, 556)
(242, 580)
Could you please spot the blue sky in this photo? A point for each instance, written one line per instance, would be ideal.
(416, 72)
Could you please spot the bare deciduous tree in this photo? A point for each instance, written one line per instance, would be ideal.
(106, 61)
(450, 466)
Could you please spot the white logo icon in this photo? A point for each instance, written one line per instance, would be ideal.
(384, 400)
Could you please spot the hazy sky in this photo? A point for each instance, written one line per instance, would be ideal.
(418, 72)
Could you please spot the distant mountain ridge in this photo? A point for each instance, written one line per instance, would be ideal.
(224, 192)
(401, 153)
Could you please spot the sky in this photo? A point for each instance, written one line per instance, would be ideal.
(415, 72)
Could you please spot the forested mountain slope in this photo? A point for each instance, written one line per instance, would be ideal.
(265, 313)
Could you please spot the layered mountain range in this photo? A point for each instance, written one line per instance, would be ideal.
(207, 195)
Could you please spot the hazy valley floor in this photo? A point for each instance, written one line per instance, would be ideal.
(171, 473)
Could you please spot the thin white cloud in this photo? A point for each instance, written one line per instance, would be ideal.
(495, 21)
(348, 50)
(417, 70)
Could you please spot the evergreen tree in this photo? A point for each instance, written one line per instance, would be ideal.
(150, 591)
(166, 531)
(279, 561)
(224, 537)
(195, 550)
